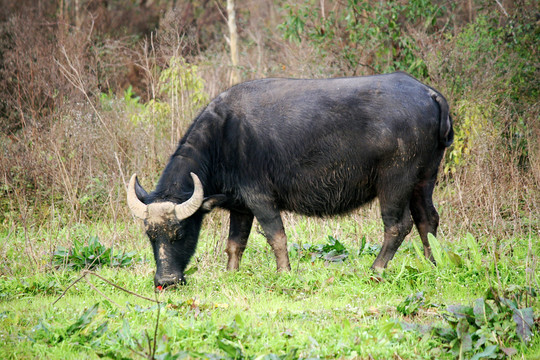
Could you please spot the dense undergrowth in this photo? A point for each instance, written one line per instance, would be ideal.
(92, 91)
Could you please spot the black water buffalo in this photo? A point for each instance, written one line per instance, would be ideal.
(314, 147)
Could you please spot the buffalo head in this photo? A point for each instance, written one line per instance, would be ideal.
(172, 228)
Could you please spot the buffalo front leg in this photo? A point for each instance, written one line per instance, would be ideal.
(240, 227)
(270, 220)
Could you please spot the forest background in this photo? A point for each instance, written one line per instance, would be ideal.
(92, 91)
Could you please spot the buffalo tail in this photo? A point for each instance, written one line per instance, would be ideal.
(446, 132)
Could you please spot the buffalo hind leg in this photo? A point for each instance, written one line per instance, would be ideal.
(240, 227)
(270, 220)
(397, 224)
(424, 214)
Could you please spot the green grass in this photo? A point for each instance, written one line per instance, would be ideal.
(321, 309)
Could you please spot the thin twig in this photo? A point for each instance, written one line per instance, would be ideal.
(157, 324)
(138, 353)
(151, 356)
(119, 287)
(220, 11)
(100, 293)
(86, 272)
(69, 287)
(120, 168)
(74, 77)
(502, 8)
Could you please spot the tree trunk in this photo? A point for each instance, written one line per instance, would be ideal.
(233, 35)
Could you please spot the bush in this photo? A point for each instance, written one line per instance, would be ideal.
(364, 36)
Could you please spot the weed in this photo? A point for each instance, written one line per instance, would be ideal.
(93, 254)
(368, 248)
(84, 330)
(332, 251)
(33, 286)
(412, 303)
(492, 327)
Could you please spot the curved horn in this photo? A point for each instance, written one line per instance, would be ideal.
(137, 207)
(190, 206)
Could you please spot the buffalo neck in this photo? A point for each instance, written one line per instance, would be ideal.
(193, 155)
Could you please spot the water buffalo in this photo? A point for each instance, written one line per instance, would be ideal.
(314, 147)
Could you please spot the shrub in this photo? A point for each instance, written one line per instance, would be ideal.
(372, 35)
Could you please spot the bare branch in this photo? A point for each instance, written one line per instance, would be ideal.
(86, 272)
(70, 285)
(100, 293)
(121, 288)
(502, 8)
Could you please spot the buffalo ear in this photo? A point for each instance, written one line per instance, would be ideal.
(211, 202)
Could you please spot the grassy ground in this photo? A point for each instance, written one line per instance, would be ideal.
(321, 309)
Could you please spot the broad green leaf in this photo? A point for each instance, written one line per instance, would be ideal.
(524, 319)
(490, 352)
(230, 348)
(84, 320)
(411, 304)
(483, 313)
(191, 270)
(474, 251)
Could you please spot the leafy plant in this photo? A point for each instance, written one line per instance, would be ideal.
(181, 85)
(412, 303)
(332, 251)
(29, 286)
(444, 258)
(473, 125)
(227, 339)
(83, 330)
(489, 328)
(94, 254)
(368, 248)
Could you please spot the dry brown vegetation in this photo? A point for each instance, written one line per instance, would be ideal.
(85, 99)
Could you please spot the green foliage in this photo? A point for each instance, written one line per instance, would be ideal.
(227, 339)
(85, 329)
(411, 304)
(472, 128)
(493, 327)
(94, 254)
(332, 251)
(25, 287)
(180, 88)
(490, 72)
(508, 41)
(364, 33)
(256, 313)
(468, 258)
(368, 248)
(488, 328)
(475, 256)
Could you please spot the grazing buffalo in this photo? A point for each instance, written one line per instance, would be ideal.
(314, 147)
